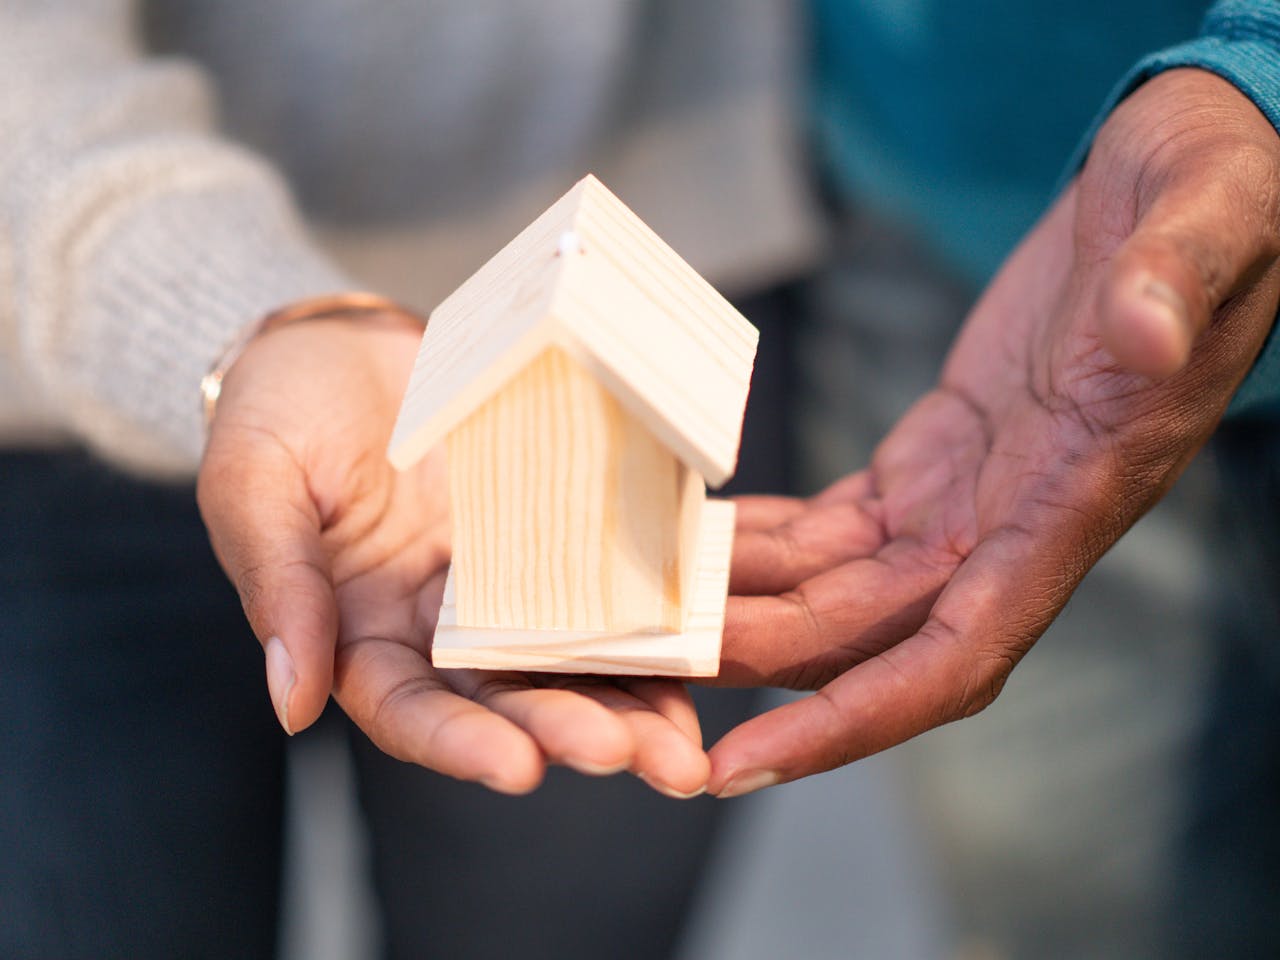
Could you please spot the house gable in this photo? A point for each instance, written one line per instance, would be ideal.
(669, 347)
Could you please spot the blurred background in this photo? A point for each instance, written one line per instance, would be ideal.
(850, 174)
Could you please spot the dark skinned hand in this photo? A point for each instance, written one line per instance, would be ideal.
(1094, 367)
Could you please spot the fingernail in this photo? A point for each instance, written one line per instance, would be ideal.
(672, 792)
(280, 680)
(592, 769)
(498, 786)
(748, 782)
(1168, 298)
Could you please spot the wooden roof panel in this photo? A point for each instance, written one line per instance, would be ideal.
(658, 336)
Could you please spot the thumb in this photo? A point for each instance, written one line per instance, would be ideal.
(1192, 249)
(265, 530)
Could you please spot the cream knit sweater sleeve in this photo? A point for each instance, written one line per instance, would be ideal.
(134, 243)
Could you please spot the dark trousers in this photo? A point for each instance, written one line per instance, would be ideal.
(140, 767)
(1227, 884)
(141, 771)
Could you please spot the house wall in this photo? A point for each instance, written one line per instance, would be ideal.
(567, 513)
(692, 496)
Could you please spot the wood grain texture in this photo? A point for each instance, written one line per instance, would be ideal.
(673, 351)
(694, 652)
(586, 390)
(565, 509)
(483, 334)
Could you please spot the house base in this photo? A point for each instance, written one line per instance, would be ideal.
(695, 652)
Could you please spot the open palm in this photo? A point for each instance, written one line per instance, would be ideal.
(340, 562)
(1069, 404)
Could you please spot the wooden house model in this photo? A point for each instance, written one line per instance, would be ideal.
(589, 384)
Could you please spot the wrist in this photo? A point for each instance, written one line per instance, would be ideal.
(360, 306)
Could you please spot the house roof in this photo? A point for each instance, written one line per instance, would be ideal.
(673, 351)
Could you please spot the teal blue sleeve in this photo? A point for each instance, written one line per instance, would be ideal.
(1240, 42)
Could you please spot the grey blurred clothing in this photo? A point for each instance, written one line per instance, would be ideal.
(138, 232)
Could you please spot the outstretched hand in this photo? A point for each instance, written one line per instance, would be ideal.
(1091, 371)
(340, 563)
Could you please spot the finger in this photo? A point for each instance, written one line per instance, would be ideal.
(844, 615)
(953, 667)
(391, 692)
(670, 698)
(758, 512)
(1197, 245)
(571, 729)
(761, 512)
(777, 559)
(266, 533)
(666, 757)
(856, 487)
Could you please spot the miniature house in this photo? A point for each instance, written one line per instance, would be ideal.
(588, 385)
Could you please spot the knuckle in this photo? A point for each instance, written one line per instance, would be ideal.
(249, 583)
(811, 674)
(953, 704)
(1253, 194)
(985, 682)
(494, 688)
(1256, 168)
(399, 693)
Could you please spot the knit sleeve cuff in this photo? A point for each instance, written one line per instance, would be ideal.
(1240, 42)
(160, 284)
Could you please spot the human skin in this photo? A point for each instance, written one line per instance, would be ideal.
(340, 563)
(1096, 364)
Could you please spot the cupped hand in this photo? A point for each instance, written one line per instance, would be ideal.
(1096, 364)
(340, 563)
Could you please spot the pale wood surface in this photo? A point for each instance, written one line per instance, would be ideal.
(695, 652)
(483, 334)
(565, 509)
(693, 500)
(672, 350)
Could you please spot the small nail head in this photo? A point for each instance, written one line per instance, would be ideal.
(569, 244)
